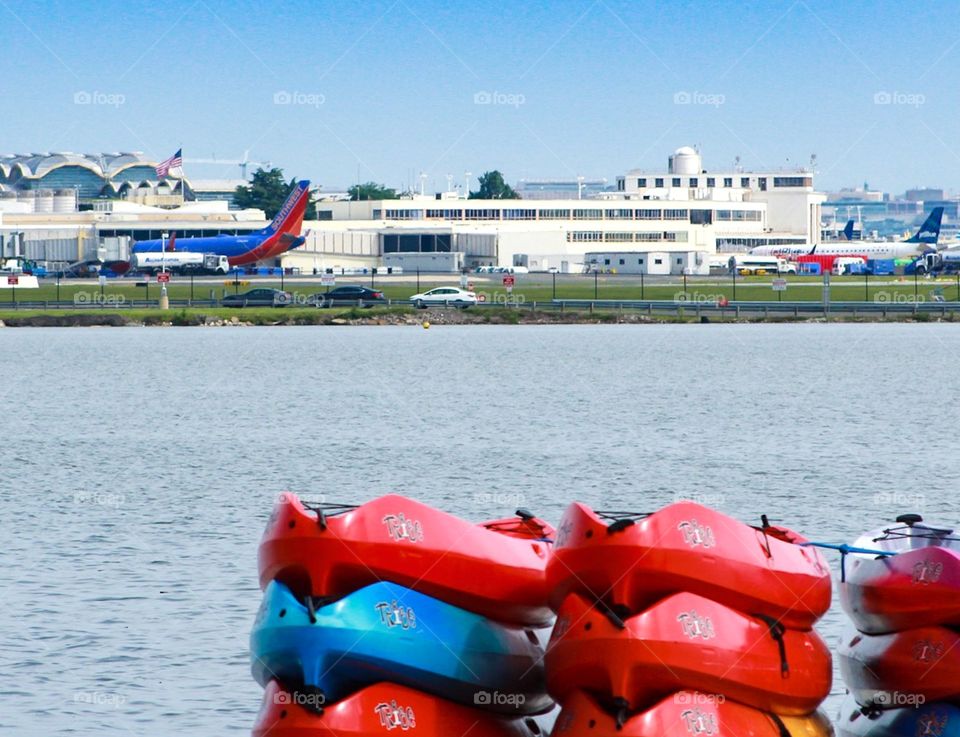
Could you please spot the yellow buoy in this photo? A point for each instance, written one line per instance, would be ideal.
(426, 325)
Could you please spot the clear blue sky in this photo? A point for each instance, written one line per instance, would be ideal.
(390, 87)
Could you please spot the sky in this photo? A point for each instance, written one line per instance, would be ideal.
(386, 90)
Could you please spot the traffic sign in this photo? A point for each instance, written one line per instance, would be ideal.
(13, 280)
(779, 285)
(328, 280)
(508, 280)
(163, 277)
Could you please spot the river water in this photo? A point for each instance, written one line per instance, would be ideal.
(138, 467)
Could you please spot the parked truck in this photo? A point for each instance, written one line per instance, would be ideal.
(180, 262)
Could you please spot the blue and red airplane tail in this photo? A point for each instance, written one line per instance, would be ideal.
(289, 219)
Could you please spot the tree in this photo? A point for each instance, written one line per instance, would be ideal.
(492, 187)
(371, 191)
(267, 191)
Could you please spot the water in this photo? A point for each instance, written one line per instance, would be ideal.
(138, 467)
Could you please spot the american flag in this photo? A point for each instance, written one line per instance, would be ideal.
(164, 167)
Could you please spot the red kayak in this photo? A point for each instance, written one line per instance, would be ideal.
(496, 569)
(918, 586)
(377, 710)
(686, 642)
(630, 560)
(902, 669)
(681, 715)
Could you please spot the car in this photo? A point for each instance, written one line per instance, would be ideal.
(261, 297)
(449, 296)
(348, 295)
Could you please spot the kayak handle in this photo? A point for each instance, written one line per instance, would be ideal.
(845, 550)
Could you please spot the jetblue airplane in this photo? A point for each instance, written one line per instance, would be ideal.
(280, 236)
(923, 240)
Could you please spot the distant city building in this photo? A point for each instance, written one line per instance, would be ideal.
(924, 194)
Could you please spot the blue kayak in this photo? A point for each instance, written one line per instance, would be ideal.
(942, 720)
(387, 632)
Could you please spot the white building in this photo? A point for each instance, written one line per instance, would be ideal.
(682, 210)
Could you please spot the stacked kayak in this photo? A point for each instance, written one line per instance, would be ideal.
(685, 621)
(396, 615)
(900, 658)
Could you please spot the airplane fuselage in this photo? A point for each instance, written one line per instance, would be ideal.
(865, 249)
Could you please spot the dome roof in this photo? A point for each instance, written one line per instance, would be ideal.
(685, 151)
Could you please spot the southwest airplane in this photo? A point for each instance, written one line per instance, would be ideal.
(280, 236)
(923, 240)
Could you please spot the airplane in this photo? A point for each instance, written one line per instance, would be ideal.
(923, 240)
(280, 236)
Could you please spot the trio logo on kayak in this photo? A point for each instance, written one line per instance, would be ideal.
(401, 528)
(695, 534)
(695, 626)
(394, 615)
(927, 572)
(394, 717)
(925, 651)
(699, 722)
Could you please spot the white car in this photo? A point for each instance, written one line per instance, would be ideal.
(450, 296)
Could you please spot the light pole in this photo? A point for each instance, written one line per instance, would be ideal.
(466, 184)
(164, 298)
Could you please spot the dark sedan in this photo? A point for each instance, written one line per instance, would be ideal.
(348, 296)
(258, 298)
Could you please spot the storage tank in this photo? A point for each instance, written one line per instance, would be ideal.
(29, 198)
(44, 201)
(685, 160)
(64, 200)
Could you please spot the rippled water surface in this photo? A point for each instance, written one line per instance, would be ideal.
(138, 466)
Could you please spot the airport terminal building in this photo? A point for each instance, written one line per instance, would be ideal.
(684, 211)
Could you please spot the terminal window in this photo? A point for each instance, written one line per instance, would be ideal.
(745, 182)
(676, 181)
(728, 181)
(659, 181)
(642, 182)
(711, 182)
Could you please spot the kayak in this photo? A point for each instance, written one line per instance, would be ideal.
(918, 586)
(937, 720)
(686, 642)
(906, 668)
(496, 569)
(682, 714)
(630, 560)
(376, 710)
(389, 632)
